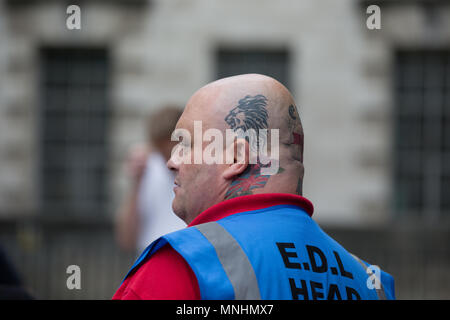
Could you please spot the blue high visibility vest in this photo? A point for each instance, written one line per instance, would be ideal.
(278, 252)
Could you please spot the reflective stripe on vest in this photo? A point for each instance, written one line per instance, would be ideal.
(234, 261)
(380, 291)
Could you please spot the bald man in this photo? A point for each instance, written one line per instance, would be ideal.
(250, 234)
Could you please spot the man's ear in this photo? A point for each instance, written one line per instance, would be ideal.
(241, 154)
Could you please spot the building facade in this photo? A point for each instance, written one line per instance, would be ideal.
(375, 104)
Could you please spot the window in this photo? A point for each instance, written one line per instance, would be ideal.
(422, 134)
(274, 63)
(74, 122)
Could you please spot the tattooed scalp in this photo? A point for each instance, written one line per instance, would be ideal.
(250, 113)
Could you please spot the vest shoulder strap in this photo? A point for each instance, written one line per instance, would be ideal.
(234, 261)
(379, 288)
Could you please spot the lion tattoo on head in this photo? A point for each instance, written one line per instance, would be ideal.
(249, 120)
(250, 113)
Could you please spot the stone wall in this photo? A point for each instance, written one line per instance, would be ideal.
(162, 51)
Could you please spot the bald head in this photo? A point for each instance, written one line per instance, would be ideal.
(216, 100)
(250, 101)
(245, 103)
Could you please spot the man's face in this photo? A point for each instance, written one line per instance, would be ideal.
(197, 186)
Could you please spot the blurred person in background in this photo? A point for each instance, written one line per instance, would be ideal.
(11, 287)
(146, 213)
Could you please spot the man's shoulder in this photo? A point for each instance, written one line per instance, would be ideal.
(162, 261)
(165, 275)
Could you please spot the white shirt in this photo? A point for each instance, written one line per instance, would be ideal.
(155, 197)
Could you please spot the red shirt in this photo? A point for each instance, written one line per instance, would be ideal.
(167, 276)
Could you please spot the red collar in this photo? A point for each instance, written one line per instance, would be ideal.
(251, 202)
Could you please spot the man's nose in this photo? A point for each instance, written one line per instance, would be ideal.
(171, 164)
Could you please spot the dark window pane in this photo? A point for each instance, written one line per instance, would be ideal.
(421, 118)
(74, 126)
(409, 133)
(409, 194)
(274, 63)
(445, 194)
